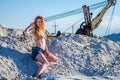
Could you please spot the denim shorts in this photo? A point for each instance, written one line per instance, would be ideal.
(36, 51)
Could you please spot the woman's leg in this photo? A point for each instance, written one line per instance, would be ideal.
(51, 58)
(41, 58)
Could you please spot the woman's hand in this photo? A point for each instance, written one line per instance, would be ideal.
(23, 36)
(47, 53)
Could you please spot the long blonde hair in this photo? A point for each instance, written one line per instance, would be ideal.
(39, 30)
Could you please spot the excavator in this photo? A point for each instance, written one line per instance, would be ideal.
(88, 26)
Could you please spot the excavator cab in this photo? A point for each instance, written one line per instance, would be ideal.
(85, 27)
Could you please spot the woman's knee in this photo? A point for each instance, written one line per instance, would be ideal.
(55, 59)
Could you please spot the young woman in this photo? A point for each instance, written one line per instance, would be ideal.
(40, 51)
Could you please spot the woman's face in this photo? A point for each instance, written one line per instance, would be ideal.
(39, 22)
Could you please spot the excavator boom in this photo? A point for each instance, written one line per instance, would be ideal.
(72, 12)
(97, 20)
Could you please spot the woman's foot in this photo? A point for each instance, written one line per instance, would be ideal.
(34, 76)
(40, 76)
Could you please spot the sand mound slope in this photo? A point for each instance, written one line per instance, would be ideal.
(78, 55)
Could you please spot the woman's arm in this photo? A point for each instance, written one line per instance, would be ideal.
(29, 29)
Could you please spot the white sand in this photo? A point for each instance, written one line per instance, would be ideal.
(80, 58)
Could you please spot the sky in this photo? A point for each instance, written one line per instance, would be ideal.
(20, 13)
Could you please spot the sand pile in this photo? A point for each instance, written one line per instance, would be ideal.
(89, 56)
(114, 37)
(78, 55)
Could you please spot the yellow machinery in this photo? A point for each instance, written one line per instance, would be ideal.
(88, 26)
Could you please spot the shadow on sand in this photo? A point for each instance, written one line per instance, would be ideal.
(23, 61)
